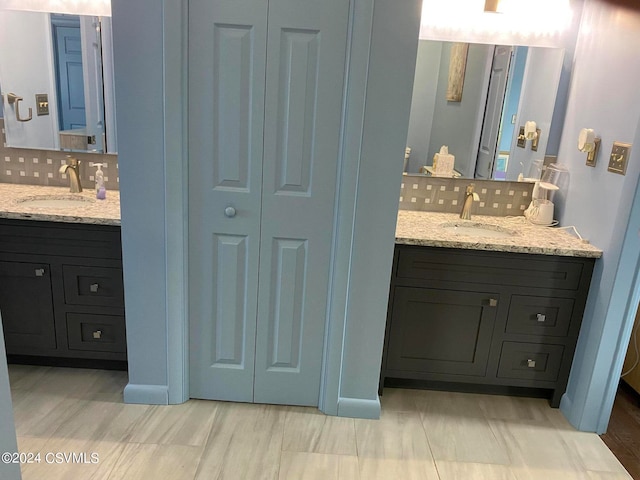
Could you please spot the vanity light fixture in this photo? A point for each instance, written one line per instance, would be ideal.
(475, 21)
(589, 143)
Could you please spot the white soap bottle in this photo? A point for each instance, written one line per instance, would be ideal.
(101, 192)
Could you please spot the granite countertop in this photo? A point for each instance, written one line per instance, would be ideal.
(89, 210)
(426, 229)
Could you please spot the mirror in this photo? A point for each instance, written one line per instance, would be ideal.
(57, 87)
(503, 88)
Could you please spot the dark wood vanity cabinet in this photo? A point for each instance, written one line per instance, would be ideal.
(493, 320)
(61, 291)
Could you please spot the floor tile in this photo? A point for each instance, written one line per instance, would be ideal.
(401, 400)
(103, 417)
(40, 413)
(397, 435)
(185, 424)
(309, 430)
(156, 462)
(320, 466)
(63, 459)
(391, 469)
(460, 438)
(592, 452)
(245, 442)
(536, 446)
(473, 471)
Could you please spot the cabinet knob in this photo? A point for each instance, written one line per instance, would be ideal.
(531, 363)
(94, 287)
(230, 212)
(39, 272)
(97, 334)
(541, 317)
(493, 302)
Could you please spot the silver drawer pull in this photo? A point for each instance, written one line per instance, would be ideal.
(97, 334)
(39, 272)
(531, 363)
(541, 317)
(493, 302)
(94, 287)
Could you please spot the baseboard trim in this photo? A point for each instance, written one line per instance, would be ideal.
(359, 408)
(146, 394)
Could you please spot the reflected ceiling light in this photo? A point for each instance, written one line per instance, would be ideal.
(544, 18)
(77, 7)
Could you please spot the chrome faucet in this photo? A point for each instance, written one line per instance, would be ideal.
(469, 197)
(73, 170)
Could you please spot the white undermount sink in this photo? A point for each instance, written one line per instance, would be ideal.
(55, 201)
(476, 229)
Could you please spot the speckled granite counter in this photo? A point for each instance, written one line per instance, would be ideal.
(89, 210)
(426, 229)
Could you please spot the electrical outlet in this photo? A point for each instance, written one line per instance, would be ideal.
(619, 157)
(534, 142)
(522, 141)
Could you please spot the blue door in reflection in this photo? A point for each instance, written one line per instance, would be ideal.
(67, 48)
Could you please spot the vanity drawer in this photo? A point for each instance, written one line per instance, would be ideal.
(97, 286)
(540, 316)
(488, 268)
(97, 333)
(530, 361)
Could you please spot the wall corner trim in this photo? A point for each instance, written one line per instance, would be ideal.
(566, 407)
(359, 408)
(146, 394)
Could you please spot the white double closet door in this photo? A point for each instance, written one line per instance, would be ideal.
(265, 117)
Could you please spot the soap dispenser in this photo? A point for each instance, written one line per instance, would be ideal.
(101, 192)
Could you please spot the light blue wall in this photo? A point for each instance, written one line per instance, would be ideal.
(388, 99)
(537, 101)
(7, 428)
(150, 97)
(598, 202)
(138, 65)
(425, 87)
(560, 109)
(456, 124)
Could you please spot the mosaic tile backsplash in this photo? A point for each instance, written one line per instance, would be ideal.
(446, 195)
(41, 167)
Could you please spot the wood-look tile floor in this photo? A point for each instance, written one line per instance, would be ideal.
(421, 435)
(623, 433)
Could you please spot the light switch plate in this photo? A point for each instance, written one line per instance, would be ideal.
(619, 157)
(42, 104)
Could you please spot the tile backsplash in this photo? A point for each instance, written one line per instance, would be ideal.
(446, 195)
(41, 167)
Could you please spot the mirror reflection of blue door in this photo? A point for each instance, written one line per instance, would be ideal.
(68, 64)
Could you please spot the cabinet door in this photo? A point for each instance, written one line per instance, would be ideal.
(306, 53)
(441, 331)
(27, 308)
(265, 110)
(227, 56)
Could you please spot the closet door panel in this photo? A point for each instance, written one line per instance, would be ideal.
(306, 52)
(227, 44)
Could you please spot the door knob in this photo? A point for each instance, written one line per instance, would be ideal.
(230, 212)
(39, 272)
(541, 317)
(531, 363)
(94, 287)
